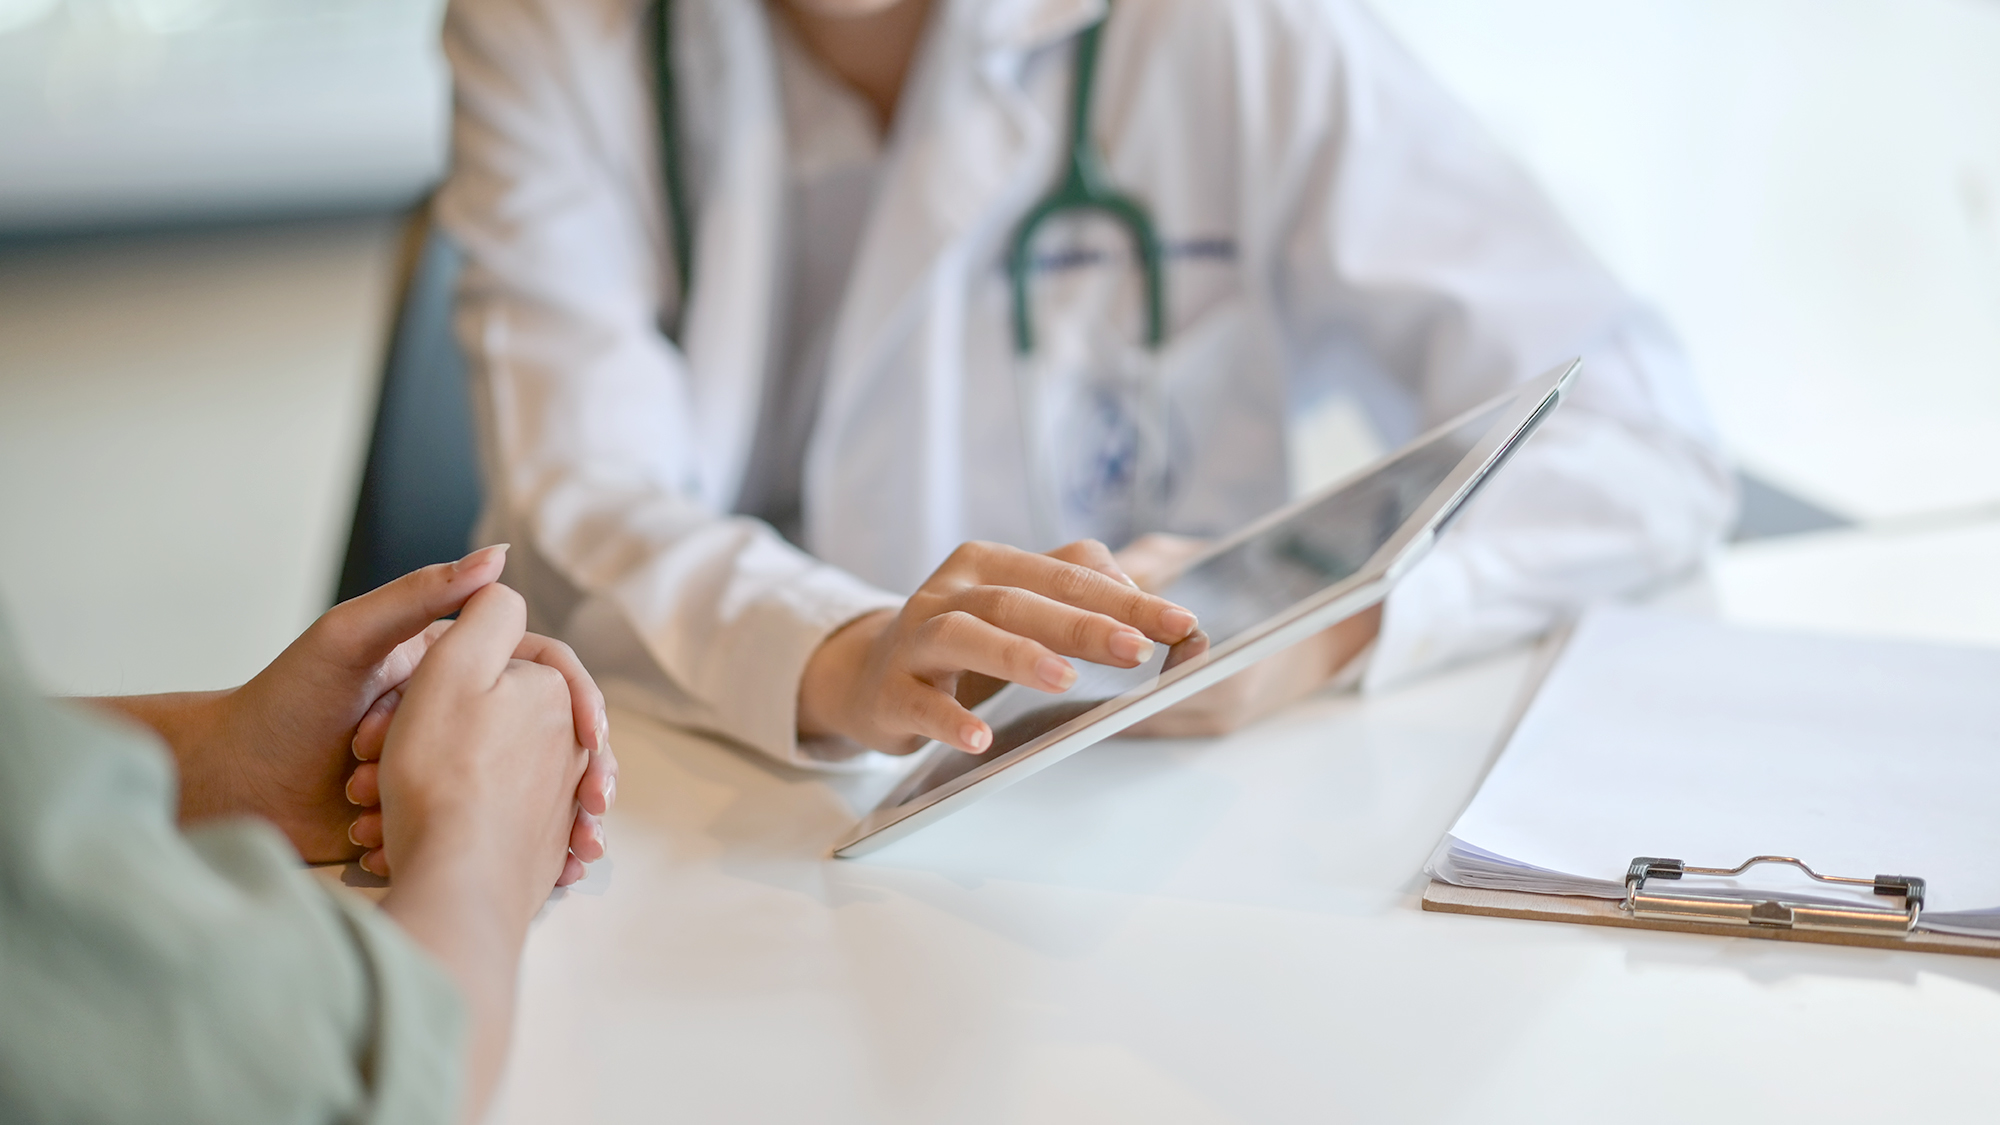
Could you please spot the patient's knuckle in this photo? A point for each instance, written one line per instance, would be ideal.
(545, 685)
(559, 653)
(340, 630)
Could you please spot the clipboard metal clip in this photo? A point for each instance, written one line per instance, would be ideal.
(1769, 913)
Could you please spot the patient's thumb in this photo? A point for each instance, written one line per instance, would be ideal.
(366, 629)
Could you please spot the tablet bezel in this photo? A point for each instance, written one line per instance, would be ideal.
(892, 818)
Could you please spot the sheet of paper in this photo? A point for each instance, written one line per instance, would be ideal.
(1661, 735)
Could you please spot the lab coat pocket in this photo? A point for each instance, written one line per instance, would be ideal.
(1097, 438)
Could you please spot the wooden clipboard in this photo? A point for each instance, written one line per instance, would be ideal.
(1449, 899)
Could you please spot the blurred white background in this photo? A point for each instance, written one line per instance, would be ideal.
(1809, 188)
(174, 109)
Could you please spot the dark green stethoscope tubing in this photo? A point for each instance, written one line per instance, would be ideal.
(671, 173)
(1085, 187)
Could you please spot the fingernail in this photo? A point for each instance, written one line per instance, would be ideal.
(348, 792)
(977, 738)
(376, 864)
(598, 831)
(1178, 622)
(479, 558)
(1130, 646)
(350, 834)
(1056, 672)
(603, 734)
(1127, 579)
(610, 793)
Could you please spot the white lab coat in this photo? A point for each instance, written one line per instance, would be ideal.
(1342, 226)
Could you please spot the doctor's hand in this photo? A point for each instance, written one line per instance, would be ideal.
(991, 613)
(1154, 561)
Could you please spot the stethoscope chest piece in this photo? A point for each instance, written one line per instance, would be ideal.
(1094, 414)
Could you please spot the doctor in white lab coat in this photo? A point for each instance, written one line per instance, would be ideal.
(733, 515)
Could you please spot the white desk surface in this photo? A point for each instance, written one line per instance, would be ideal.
(1171, 932)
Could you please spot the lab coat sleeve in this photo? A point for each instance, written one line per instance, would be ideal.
(1402, 226)
(190, 980)
(584, 404)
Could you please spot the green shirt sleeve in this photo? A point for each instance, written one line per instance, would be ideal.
(151, 976)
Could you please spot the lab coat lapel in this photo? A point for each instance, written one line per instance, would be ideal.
(972, 148)
(738, 183)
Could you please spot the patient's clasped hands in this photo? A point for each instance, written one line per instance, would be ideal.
(556, 664)
(469, 757)
(285, 745)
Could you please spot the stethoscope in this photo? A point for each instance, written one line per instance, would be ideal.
(1085, 188)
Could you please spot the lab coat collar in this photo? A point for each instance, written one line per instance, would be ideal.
(973, 147)
(1027, 25)
(972, 63)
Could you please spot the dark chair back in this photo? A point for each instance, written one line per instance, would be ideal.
(420, 490)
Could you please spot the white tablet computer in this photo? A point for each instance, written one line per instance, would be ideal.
(1272, 584)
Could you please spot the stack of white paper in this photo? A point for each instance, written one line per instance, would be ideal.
(1658, 735)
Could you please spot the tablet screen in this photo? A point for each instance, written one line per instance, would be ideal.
(1233, 592)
